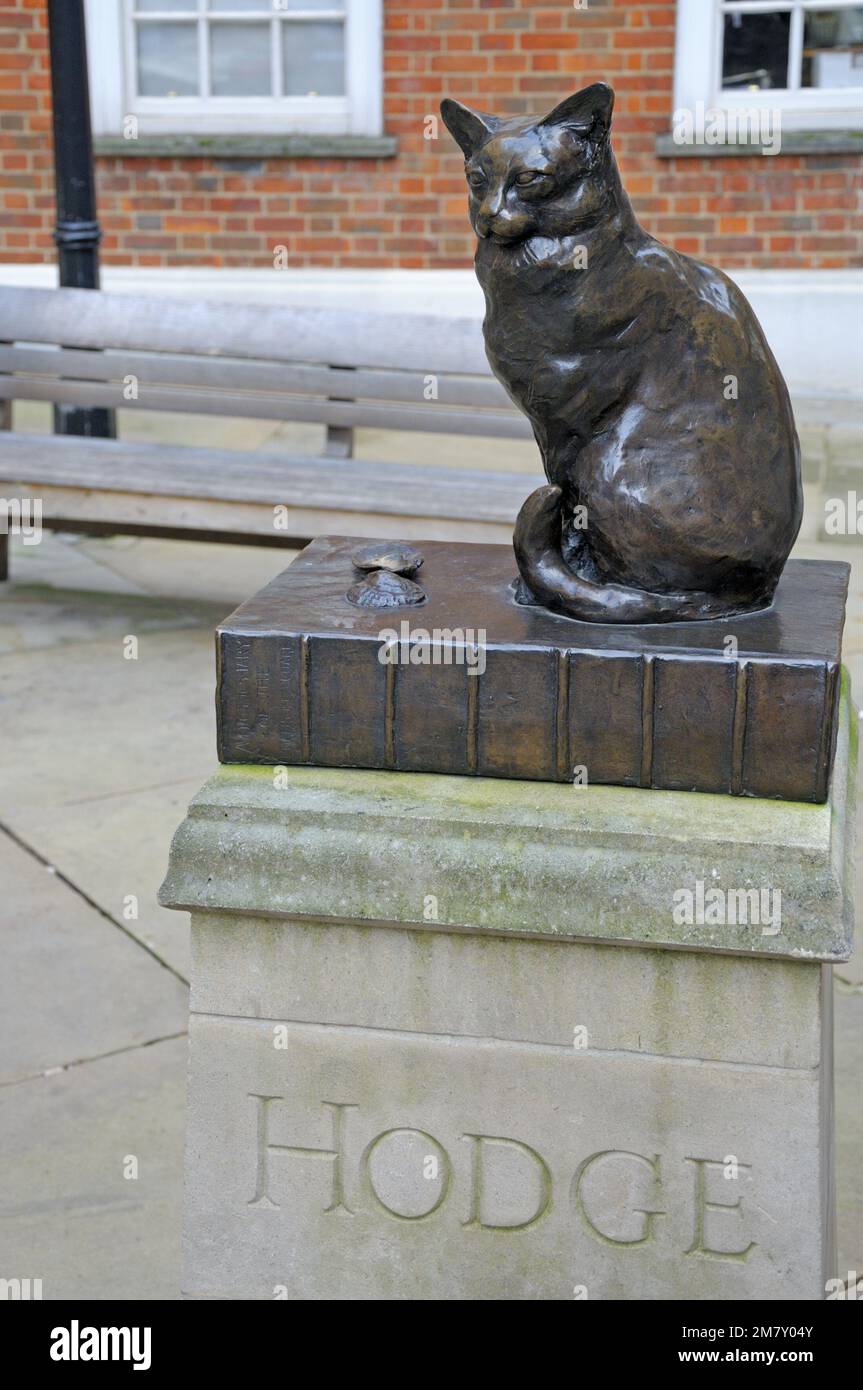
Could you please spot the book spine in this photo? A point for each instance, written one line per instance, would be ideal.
(685, 723)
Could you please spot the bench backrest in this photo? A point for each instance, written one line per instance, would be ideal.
(337, 368)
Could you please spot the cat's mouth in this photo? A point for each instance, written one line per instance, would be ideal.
(501, 233)
(503, 238)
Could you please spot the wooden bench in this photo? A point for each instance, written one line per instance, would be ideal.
(341, 369)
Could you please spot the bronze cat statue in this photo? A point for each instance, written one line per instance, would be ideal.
(660, 412)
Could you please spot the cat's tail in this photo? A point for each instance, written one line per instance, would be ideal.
(554, 585)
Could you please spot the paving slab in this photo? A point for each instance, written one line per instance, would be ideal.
(178, 570)
(114, 847)
(74, 985)
(89, 723)
(36, 617)
(70, 1216)
(59, 561)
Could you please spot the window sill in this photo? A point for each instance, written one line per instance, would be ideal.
(289, 146)
(821, 142)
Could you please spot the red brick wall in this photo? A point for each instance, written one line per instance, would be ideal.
(26, 183)
(504, 55)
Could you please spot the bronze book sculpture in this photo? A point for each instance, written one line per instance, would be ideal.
(664, 424)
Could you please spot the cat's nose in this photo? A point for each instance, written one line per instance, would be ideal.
(487, 214)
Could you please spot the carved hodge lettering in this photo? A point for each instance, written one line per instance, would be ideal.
(703, 1205)
(482, 1143)
(398, 1143)
(407, 1174)
(266, 1147)
(601, 1163)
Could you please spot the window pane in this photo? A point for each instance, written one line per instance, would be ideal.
(314, 59)
(311, 4)
(144, 5)
(755, 51)
(833, 48)
(240, 60)
(262, 6)
(168, 60)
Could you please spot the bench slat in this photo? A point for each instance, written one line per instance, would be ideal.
(110, 465)
(281, 333)
(231, 373)
(429, 417)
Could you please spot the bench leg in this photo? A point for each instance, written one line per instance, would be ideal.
(340, 442)
(4, 556)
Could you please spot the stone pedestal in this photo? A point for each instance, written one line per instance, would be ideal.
(459, 1038)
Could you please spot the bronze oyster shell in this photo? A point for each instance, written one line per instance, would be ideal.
(395, 556)
(383, 589)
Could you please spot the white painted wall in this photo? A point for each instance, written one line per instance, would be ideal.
(812, 318)
(814, 323)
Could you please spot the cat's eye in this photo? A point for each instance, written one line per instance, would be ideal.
(529, 176)
(476, 179)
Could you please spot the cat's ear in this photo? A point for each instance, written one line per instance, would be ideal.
(468, 128)
(586, 111)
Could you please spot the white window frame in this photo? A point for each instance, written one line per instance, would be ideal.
(698, 69)
(110, 56)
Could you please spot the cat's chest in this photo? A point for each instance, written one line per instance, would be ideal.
(540, 324)
(541, 303)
